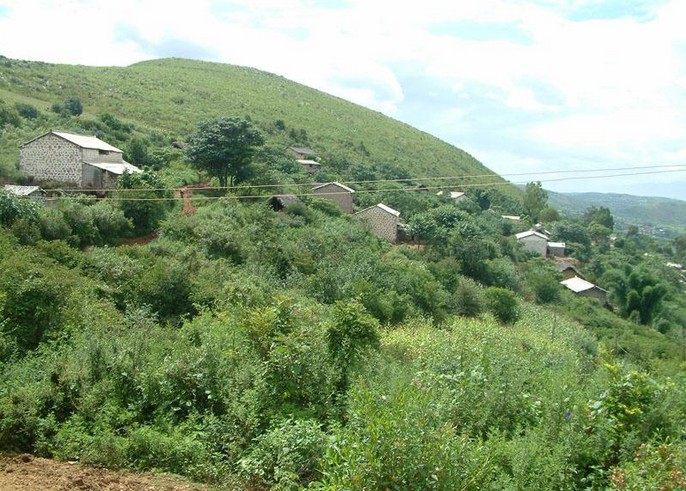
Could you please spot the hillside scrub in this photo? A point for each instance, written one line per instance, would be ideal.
(295, 349)
(223, 350)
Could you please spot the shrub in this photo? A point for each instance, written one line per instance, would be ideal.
(503, 304)
(285, 457)
(468, 299)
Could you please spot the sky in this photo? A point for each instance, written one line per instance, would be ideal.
(558, 91)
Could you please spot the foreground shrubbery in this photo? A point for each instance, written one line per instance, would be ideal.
(293, 350)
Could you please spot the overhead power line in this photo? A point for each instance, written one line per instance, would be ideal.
(671, 169)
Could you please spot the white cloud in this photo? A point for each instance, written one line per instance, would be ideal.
(611, 88)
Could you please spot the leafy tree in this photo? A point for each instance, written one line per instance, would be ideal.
(8, 115)
(27, 110)
(638, 293)
(549, 214)
(137, 151)
(145, 208)
(601, 216)
(224, 147)
(535, 200)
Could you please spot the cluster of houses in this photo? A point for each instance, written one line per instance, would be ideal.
(537, 240)
(87, 162)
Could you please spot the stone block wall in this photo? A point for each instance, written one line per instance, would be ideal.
(51, 158)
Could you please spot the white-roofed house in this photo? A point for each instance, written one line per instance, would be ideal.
(338, 193)
(454, 195)
(310, 166)
(83, 161)
(585, 288)
(533, 241)
(382, 220)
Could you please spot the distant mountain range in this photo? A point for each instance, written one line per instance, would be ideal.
(662, 217)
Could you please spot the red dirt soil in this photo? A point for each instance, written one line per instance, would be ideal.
(25, 472)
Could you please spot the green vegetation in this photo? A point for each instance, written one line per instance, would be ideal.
(294, 349)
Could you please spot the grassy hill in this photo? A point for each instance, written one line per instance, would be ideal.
(658, 216)
(168, 97)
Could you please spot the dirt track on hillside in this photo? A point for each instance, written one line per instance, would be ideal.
(28, 473)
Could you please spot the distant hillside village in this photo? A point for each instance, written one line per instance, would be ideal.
(86, 164)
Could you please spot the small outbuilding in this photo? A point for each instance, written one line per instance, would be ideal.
(34, 193)
(338, 193)
(583, 288)
(280, 201)
(556, 249)
(454, 195)
(382, 220)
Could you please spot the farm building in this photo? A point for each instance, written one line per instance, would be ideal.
(454, 195)
(556, 249)
(82, 161)
(338, 193)
(382, 220)
(585, 288)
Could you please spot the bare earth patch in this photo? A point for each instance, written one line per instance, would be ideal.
(25, 472)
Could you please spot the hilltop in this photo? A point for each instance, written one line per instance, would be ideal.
(166, 98)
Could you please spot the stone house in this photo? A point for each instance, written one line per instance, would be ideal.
(568, 270)
(583, 288)
(533, 241)
(382, 220)
(338, 193)
(82, 161)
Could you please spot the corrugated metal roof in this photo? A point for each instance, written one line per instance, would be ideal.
(578, 285)
(118, 169)
(308, 162)
(21, 190)
(561, 245)
(87, 141)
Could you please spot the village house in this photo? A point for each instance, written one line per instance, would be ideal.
(338, 193)
(533, 241)
(82, 161)
(382, 220)
(583, 288)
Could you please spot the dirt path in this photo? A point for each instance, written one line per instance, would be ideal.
(28, 473)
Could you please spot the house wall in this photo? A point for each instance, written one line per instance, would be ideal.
(101, 156)
(51, 158)
(381, 223)
(594, 293)
(535, 244)
(342, 198)
(556, 251)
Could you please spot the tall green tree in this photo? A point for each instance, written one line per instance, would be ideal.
(535, 200)
(224, 147)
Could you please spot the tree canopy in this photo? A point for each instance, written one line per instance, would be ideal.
(224, 147)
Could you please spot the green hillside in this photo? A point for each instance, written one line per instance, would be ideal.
(168, 97)
(658, 216)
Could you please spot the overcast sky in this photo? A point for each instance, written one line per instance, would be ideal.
(523, 85)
